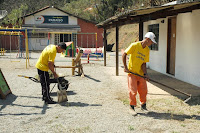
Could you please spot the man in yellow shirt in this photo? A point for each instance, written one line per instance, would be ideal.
(139, 55)
(45, 63)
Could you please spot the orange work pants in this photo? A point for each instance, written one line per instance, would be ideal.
(137, 84)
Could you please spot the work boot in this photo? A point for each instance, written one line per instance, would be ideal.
(50, 102)
(132, 110)
(144, 108)
(44, 98)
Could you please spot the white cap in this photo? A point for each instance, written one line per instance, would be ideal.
(151, 36)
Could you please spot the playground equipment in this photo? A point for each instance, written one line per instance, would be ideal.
(3, 51)
(76, 63)
(81, 38)
(17, 31)
(70, 51)
(92, 53)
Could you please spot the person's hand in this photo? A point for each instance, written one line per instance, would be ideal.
(55, 75)
(126, 70)
(146, 77)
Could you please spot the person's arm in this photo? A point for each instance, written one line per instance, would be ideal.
(144, 69)
(124, 62)
(51, 67)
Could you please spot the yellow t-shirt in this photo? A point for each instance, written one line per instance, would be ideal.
(48, 54)
(138, 56)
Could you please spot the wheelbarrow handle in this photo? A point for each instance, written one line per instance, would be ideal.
(31, 78)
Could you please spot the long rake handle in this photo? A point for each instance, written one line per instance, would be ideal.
(190, 95)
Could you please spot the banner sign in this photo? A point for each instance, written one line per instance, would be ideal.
(51, 19)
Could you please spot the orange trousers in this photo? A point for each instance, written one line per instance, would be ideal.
(137, 84)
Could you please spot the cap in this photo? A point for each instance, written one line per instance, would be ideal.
(62, 45)
(151, 36)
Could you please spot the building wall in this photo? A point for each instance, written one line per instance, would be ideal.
(89, 40)
(187, 47)
(158, 59)
(37, 43)
(51, 12)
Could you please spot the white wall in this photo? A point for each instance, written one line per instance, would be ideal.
(37, 43)
(51, 12)
(187, 62)
(158, 59)
(187, 47)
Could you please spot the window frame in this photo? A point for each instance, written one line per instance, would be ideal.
(155, 29)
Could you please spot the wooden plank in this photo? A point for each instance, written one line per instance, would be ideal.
(73, 69)
(80, 53)
(68, 66)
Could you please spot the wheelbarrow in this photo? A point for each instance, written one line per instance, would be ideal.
(63, 85)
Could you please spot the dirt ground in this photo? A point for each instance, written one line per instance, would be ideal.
(96, 103)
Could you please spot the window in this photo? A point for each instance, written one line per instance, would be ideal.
(155, 29)
(65, 38)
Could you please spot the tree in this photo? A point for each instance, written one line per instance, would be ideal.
(15, 16)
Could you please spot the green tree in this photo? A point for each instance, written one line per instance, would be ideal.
(15, 16)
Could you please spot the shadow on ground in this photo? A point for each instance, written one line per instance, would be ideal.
(68, 93)
(78, 104)
(96, 80)
(170, 116)
(9, 102)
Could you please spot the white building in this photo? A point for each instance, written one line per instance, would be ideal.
(51, 25)
(178, 46)
(177, 28)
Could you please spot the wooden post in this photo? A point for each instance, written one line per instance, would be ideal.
(79, 69)
(117, 48)
(73, 69)
(88, 57)
(105, 45)
(140, 31)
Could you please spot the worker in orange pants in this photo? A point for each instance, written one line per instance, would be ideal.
(137, 84)
(139, 55)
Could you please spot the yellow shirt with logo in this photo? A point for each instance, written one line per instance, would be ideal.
(138, 56)
(48, 54)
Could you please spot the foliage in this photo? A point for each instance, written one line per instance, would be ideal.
(94, 10)
(15, 16)
(81, 8)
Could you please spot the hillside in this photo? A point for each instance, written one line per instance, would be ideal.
(127, 34)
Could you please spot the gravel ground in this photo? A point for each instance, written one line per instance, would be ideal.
(96, 103)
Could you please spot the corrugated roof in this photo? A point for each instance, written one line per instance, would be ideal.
(146, 11)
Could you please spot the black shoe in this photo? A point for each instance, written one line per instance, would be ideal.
(133, 107)
(44, 98)
(144, 108)
(132, 110)
(50, 102)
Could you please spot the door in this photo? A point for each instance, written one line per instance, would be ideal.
(171, 46)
